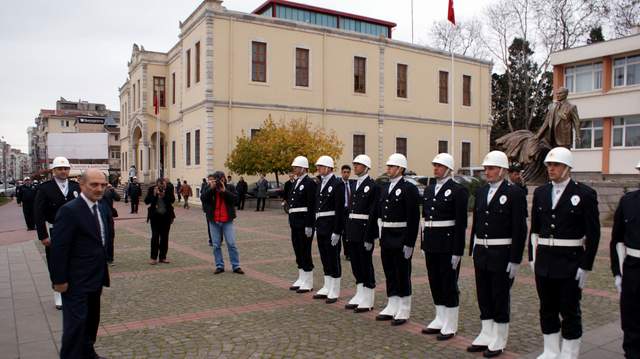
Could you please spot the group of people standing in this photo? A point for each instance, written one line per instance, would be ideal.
(562, 245)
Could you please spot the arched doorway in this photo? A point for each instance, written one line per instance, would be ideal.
(158, 168)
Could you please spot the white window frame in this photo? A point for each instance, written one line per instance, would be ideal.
(268, 63)
(624, 131)
(295, 48)
(593, 137)
(624, 67)
(574, 73)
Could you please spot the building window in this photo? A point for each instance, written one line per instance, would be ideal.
(173, 88)
(583, 78)
(258, 61)
(626, 71)
(590, 133)
(254, 132)
(443, 146)
(401, 145)
(443, 84)
(196, 150)
(139, 96)
(466, 154)
(115, 154)
(159, 90)
(197, 61)
(359, 74)
(358, 145)
(626, 131)
(466, 90)
(188, 68)
(173, 154)
(134, 96)
(401, 81)
(302, 67)
(188, 149)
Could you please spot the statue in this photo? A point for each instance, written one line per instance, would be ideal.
(530, 149)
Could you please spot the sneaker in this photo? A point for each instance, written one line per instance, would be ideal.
(238, 271)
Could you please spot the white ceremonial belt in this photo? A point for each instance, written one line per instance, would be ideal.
(439, 224)
(558, 242)
(493, 241)
(394, 224)
(325, 214)
(633, 252)
(358, 216)
(298, 209)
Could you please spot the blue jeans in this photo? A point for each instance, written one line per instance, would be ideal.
(219, 229)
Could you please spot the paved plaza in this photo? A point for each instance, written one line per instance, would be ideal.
(183, 310)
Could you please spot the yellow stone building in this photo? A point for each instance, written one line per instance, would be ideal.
(229, 70)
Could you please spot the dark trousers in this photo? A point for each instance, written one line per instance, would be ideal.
(258, 202)
(80, 320)
(178, 194)
(160, 226)
(27, 211)
(362, 264)
(302, 249)
(630, 307)
(209, 231)
(560, 297)
(494, 295)
(134, 204)
(186, 202)
(329, 255)
(109, 244)
(397, 271)
(443, 279)
(241, 200)
(345, 242)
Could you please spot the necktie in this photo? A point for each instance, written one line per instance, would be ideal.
(347, 193)
(96, 218)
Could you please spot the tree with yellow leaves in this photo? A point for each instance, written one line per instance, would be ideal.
(275, 145)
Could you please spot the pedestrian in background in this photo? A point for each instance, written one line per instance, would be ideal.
(110, 195)
(178, 188)
(262, 187)
(206, 206)
(26, 196)
(132, 173)
(242, 189)
(186, 192)
(134, 191)
(345, 173)
(160, 214)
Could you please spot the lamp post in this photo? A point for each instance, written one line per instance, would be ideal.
(4, 164)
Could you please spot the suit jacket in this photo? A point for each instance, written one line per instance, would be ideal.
(449, 204)
(575, 216)
(48, 200)
(401, 205)
(78, 256)
(303, 196)
(504, 217)
(626, 229)
(208, 199)
(363, 201)
(330, 198)
(560, 121)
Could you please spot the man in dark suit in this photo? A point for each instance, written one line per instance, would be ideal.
(398, 210)
(52, 195)
(160, 214)
(565, 232)
(444, 208)
(79, 264)
(242, 189)
(345, 173)
(110, 196)
(498, 235)
(26, 197)
(134, 191)
(515, 176)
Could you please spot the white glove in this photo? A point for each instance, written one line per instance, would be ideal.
(455, 260)
(408, 251)
(368, 246)
(581, 277)
(424, 254)
(308, 231)
(335, 239)
(512, 269)
(532, 264)
(618, 283)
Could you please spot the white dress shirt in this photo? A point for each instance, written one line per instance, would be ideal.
(493, 188)
(325, 179)
(393, 183)
(557, 190)
(63, 185)
(90, 203)
(299, 180)
(360, 180)
(439, 183)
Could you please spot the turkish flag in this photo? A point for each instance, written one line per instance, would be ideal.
(155, 104)
(451, 16)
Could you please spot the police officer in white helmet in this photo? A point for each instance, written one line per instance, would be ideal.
(498, 235)
(302, 218)
(399, 215)
(52, 195)
(565, 232)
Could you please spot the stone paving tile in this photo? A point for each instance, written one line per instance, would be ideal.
(138, 260)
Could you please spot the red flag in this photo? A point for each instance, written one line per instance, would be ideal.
(155, 104)
(451, 16)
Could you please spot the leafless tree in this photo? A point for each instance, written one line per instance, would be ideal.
(624, 15)
(464, 39)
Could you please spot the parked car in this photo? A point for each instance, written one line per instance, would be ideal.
(273, 191)
(10, 192)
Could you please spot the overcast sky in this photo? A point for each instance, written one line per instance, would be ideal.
(79, 49)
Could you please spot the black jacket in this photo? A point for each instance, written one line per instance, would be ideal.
(26, 194)
(208, 199)
(242, 187)
(363, 202)
(626, 229)
(152, 200)
(450, 204)
(288, 186)
(401, 205)
(504, 217)
(78, 256)
(330, 199)
(303, 196)
(48, 200)
(576, 216)
(134, 191)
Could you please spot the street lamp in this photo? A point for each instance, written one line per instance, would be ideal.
(4, 164)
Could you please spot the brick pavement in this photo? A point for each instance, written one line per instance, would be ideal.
(183, 310)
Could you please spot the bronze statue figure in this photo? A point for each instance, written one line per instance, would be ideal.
(561, 119)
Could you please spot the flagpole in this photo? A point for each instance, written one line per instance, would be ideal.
(412, 21)
(158, 144)
(453, 97)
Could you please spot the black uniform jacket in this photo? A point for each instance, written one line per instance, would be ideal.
(401, 205)
(48, 200)
(303, 196)
(330, 198)
(363, 202)
(450, 204)
(626, 229)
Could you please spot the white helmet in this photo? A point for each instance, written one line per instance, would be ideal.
(325, 161)
(497, 159)
(397, 159)
(26, 179)
(300, 161)
(60, 162)
(638, 165)
(559, 155)
(444, 159)
(363, 160)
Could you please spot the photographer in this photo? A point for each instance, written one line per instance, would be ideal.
(218, 200)
(160, 213)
